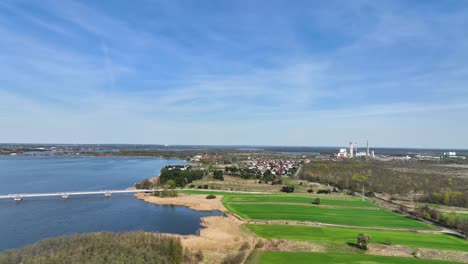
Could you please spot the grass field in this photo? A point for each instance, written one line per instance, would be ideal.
(341, 216)
(355, 202)
(325, 258)
(343, 235)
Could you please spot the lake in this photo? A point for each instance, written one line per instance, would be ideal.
(32, 219)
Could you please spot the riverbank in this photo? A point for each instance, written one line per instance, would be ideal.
(220, 236)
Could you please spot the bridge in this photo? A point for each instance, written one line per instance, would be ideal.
(66, 195)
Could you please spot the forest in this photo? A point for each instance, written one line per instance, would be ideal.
(179, 176)
(391, 178)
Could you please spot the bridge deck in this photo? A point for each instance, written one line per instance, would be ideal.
(105, 192)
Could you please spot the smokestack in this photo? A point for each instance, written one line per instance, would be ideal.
(367, 148)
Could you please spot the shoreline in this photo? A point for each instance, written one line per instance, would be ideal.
(218, 236)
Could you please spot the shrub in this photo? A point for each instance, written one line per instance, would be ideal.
(287, 189)
(310, 191)
(210, 196)
(277, 182)
(363, 241)
(144, 184)
(191, 186)
(259, 244)
(205, 186)
(199, 256)
(326, 191)
(234, 259)
(244, 246)
(316, 201)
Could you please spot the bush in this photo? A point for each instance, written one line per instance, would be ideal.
(191, 186)
(316, 201)
(259, 244)
(244, 246)
(310, 191)
(210, 196)
(326, 191)
(277, 182)
(205, 186)
(234, 259)
(199, 187)
(199, 256)
(287, 189)
(144, 184)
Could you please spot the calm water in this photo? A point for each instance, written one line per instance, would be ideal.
(34, 219)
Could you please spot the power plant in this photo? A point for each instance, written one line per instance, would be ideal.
(354, 152)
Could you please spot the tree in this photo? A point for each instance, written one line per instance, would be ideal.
(218, 174)
(363, 241)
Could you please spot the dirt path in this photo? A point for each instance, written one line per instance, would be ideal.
(318, 224)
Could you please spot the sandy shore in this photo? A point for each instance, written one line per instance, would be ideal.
(219, 237)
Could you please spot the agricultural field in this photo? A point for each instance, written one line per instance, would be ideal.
(306, 257)
(374, 217)
(344, 235)
(324, 200)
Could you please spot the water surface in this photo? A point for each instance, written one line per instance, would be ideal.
(30, 220)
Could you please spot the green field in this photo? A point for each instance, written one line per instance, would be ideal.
(296, 199)
(341, 216)
(343, 235)
(325, 258)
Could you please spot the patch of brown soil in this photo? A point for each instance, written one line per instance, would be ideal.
(193, 201)
(435, 254)
(447, 255)
(292, 246)
(393, 251)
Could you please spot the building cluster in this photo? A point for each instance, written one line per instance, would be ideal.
(452, 155)
(354, 152)
(277, 167)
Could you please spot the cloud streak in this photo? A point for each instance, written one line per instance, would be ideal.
(247, 66)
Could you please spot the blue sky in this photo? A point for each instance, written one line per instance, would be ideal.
(314, 73)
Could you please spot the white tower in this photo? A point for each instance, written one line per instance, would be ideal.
(351, 149)
(367, 148)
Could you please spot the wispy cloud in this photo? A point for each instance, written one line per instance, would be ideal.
(298, 65)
